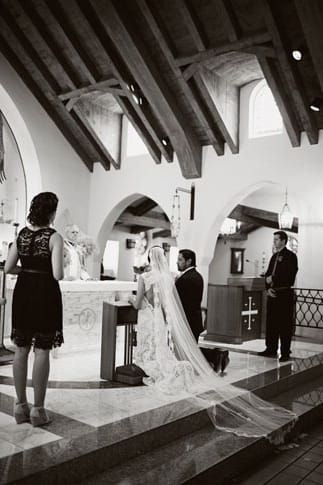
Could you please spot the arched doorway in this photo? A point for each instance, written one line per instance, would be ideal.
(135, 224)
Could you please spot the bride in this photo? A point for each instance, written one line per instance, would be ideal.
(168, 353)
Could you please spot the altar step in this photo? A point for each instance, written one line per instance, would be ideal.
(143, 450)
(210, 456)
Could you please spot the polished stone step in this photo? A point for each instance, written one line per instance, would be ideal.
(210, 456)
(155, 433)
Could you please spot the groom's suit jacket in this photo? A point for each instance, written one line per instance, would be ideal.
(190, 289)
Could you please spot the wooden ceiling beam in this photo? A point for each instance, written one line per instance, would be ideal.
(86, 64)
(28, 47)
(47, 99)
(155, 90)
(311, 17)
(163, 233)
(145, 122)
(240, 44)
(50, 43)
(275, 83)
(221, 99)
(293, 80)
(143, 207)
(188, 88)
(128, 219)
(260, 217)
(192, 24)
(230, 20)
(98, 86)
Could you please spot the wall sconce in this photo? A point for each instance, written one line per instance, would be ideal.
(176, 216)
(130, 243)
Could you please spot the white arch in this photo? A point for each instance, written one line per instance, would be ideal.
(214, 230)
(25, 144)
(111, 218)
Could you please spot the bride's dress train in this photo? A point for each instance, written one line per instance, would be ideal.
(167, 352)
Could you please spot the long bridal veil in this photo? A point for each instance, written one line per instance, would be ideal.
(230, 408)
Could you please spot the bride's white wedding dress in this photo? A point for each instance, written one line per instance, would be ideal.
(167, 352)
(155, 350)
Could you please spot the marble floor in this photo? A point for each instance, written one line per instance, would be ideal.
(88, 411)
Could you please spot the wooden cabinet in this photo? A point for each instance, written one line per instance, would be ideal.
(236, 311)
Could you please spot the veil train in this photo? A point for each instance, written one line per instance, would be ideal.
(230, 408)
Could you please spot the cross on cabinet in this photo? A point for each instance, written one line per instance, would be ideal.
(236, 311)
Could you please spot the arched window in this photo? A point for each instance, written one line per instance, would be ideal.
(264, 116)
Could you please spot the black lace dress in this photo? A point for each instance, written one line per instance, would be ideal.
(37, 301)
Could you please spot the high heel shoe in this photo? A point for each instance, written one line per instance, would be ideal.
(21, 413)
(38, 416)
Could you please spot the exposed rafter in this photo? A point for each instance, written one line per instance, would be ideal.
(293, 80)
(229, 19)
(311, 16)
(155, 90)
(259, 217)
(128, 219)
(192, 24)
(189, 90)
(244, 42)
(108, 85)
(144, 207)
(145, 123)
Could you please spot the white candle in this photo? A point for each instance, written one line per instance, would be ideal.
(16, 210)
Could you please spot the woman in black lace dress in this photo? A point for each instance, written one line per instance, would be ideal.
(37, 303)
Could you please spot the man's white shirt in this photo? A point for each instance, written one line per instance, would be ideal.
(183, 272)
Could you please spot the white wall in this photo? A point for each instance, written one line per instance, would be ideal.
(225, 182)
(50, 162)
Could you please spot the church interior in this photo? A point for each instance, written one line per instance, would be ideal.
(183, 124)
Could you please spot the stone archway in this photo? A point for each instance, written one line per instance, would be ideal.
(25, 144)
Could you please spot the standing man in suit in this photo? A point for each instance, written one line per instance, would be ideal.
(280, 277)
(189, 285)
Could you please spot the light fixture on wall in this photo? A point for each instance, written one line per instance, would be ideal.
(285, 218)
(130, 243)
(176, 212)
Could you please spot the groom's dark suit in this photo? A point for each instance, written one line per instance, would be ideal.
(190, 289)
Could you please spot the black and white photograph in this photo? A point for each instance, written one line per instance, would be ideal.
(161, 235)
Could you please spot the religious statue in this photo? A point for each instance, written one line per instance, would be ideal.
(141, 253)
(73, 255)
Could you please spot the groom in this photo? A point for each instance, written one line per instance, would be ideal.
(189, 285)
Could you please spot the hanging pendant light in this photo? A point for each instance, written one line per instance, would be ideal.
(285, 218)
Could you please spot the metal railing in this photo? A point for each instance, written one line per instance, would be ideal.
(308, 308)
